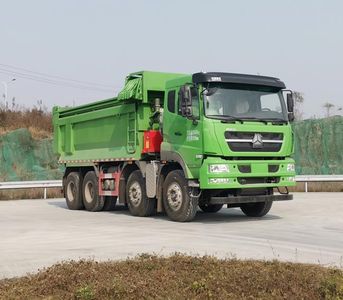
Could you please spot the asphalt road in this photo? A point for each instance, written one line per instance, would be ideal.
(38, 233)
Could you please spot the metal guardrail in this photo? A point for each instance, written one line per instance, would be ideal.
(317, 178)
(45, 184)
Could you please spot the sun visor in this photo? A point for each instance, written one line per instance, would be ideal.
(238, 79)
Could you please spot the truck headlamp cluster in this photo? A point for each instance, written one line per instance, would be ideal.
(218, 180)
(290, 168)
(292, 179)
(219, 168)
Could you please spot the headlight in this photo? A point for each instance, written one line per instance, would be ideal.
(218, 180)
(290, 168)
(291, 179)
(222, 168)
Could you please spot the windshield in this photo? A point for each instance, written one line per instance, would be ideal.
(243, 102)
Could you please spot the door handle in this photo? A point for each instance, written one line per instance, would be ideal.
(178, 133)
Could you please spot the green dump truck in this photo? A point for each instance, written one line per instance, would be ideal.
(176, 142)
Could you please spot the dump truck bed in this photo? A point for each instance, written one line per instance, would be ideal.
(111, 129)
(102, 131)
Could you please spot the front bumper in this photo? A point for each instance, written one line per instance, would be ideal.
(249, 199)
(247, 174)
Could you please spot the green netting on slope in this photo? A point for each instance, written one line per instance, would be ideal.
(23, 158)
(319, 146)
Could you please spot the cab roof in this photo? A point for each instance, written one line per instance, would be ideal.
(203, 77)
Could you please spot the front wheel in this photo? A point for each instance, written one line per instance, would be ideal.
(210, 208)
(258, 209)
(178, 203)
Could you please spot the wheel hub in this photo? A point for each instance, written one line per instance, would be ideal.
(174, 196)
(89, 192)
(135, 194)
(71, 191)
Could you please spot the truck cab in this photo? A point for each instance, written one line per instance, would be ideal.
(231, 134)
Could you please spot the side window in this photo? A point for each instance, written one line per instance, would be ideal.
(171, 101)
(195, 103)
(178, 104)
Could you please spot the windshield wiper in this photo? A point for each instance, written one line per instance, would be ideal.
(277, 120)
(254, 119)
(228, 118)
(225, 118)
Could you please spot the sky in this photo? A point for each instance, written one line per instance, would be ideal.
(90, 46)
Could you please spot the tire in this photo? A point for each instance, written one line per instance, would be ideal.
(210, 208)
(178, 203)
(110, 203)
(138, 202)
(258, 209)
(73, 191)
(90, 193)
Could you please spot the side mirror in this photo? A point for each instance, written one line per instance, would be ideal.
(185, 96)
(290, 117)
(290, 103)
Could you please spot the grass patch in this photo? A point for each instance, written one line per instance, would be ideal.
(37, 120)
(177, 277)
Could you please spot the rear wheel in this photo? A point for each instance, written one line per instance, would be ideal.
(73, 191)
(90, 191)
(178, 203)
(210, 208)
(258, 209)
(110, 203)
(138, 202)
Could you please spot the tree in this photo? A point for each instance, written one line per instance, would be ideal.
(298, 101)
(328, 106)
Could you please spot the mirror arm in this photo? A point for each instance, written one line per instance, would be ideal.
(195, 121)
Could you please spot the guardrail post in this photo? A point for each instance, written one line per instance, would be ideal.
(306, 187)
(45, 193)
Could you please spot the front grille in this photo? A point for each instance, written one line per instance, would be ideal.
(273, 168)
(257, 180)
(254, 141)
(244, 168)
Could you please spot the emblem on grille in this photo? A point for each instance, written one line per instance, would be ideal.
(257, 141)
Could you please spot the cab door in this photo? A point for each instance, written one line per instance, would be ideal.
(183, 134)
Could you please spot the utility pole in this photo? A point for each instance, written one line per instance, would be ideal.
(328, 106)
(5, 84)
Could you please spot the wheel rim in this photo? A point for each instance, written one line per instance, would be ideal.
(174, 196)
(89, 192)
(71, 191)
(135, 193)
